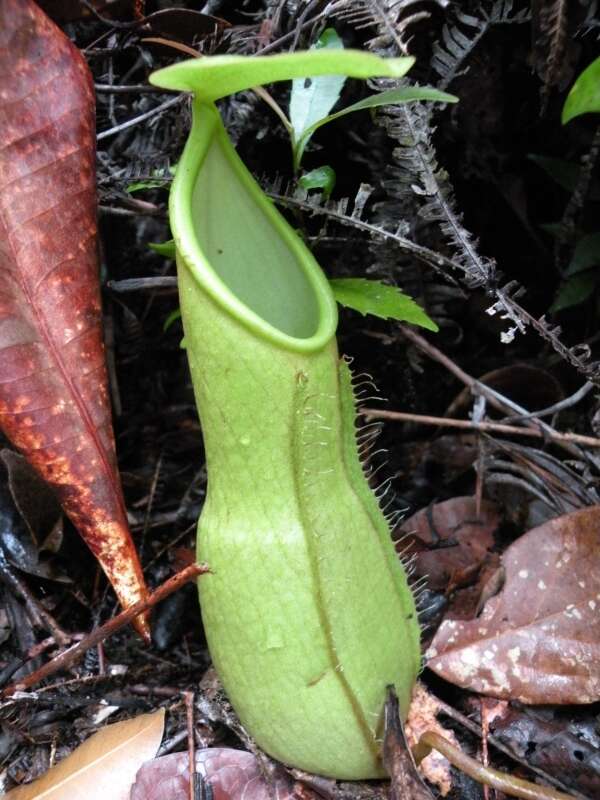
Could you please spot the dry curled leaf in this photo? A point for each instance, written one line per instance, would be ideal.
(406, 782)
(422, 716)
(232, 775)
(538, 640)
(564, 745)
(103, 767)
(54, 403)
(454, 539)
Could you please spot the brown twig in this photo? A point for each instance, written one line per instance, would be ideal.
(129, 123)
(485, 729)
(68, 657)
(509, 784)
(188, 699)
(36, 612)
(137, 284)
(476, 730)
(494, 399)
(492, 427)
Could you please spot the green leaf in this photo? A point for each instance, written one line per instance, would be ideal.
(575, 290)
(153, 183)
(171, 318)
(161, 179)
(408, 94)
(313, 98)
(554, 229)
(380, 300)
(166, 249)
(563, 172)
(584, 96)
(586, 255)
(213, 77)
(319, 178)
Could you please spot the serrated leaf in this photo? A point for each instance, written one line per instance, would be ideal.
(313, 98)
(103, 767)
(407, 94)
(379, 300)
(166, 249)
(584, 96)
(319, 178)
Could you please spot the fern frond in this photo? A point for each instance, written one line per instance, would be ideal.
(460, 38)
(337, 211)
(416, 172)
(550, 39)
(389, 18)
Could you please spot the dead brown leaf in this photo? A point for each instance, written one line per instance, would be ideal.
(103, 767)
(538, 640)
(232, 775)
(565, 745)
(453, 539)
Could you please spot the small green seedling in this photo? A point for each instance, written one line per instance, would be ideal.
(307, 609)
(322, 178)
(312, 99)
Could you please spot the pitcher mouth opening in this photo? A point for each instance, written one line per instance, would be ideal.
(240, 249)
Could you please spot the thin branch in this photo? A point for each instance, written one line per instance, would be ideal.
(476, 730)
(567, 402)
(485, 427)
(123, 126)
(35, 610)
(509, 784)
(68, 657)
(495, 399)
(143, 284)
(188, 699)
(424, 254)
(115, 88)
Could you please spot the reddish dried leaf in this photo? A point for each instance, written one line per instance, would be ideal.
(451, 540)
(232, 774)
(565, 746)
(538, 640)
(54, 402)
